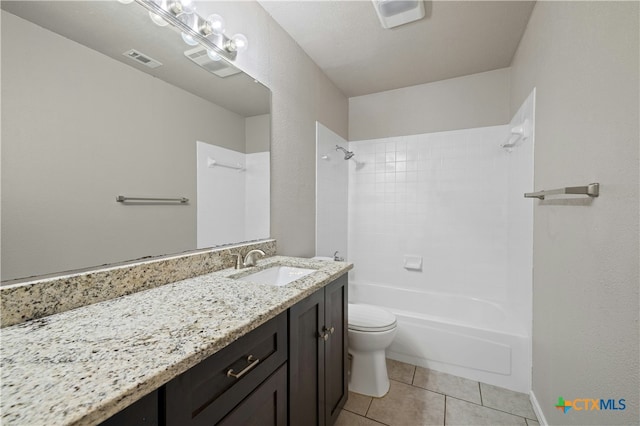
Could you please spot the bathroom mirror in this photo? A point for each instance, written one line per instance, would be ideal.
(84, 120)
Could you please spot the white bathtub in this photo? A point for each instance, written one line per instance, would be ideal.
(471, 338)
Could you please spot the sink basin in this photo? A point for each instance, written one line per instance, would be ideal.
(277, 275)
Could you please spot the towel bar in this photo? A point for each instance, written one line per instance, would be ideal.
(592, 190)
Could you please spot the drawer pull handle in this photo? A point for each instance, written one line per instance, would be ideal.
(324, 336)
(252, 363)
(331, 330)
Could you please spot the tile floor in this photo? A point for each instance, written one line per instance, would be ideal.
(419, 396)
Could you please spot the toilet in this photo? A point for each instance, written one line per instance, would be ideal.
(371, 331)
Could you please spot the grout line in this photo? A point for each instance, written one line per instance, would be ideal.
(449, 396)
(368, 407)
(374, 420)
(445, 411)
(490, 408)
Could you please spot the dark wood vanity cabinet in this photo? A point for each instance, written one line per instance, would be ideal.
(290, 371)
(144, 412)
(208, 392)
(318, 356)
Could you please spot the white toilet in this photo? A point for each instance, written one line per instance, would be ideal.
(371, 331)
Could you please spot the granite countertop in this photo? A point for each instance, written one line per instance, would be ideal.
(84, 365)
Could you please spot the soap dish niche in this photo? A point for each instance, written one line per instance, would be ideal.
(413, 263)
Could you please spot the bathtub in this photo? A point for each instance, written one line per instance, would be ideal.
(470, 338)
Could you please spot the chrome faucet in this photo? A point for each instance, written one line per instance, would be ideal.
(337, 258)
(249, 258)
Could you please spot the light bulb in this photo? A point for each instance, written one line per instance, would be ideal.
(213, 55)
(188, 6)
(240, 41)
(213, 25)
(179, 7)
(191, 21)
(189, 40)
(158, 20)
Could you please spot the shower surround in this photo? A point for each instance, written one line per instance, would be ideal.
(455, 200)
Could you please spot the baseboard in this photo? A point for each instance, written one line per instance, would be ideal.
(537, 409)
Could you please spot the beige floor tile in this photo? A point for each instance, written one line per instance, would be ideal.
(465, 413)
(357, 403)
(407, 405)
(532, 422)
(347, 418)
(448, 384)
(400, 371)
(507, 400)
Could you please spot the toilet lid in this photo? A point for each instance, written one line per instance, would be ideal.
(370, 318)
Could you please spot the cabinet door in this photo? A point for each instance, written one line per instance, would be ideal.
(336, 304)
(145, 411)
(306, 362)
(265, 406)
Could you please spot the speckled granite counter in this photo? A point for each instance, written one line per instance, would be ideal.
(84, 365)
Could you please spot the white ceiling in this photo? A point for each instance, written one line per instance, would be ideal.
(455, 38)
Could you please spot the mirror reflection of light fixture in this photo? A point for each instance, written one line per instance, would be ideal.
(213, 55)
(158, 20)
(393, 13)
(191, 21)
(214, 24)
(196, 30)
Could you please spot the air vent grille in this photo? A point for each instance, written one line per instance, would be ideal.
(140, 57)
(220, 68)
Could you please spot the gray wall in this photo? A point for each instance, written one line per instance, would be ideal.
(476, 100)
(79, 128)
(301, 94)
(258, 133)
(583, 59)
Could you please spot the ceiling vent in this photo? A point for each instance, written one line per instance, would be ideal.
(142, 58)
(393, 13)
(220, 67)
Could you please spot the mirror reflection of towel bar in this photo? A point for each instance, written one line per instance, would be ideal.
(212, 163)
(123, 199)
(592, 190)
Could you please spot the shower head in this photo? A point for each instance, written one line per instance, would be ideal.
(347, 154)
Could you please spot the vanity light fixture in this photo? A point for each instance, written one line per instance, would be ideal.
(196, 30)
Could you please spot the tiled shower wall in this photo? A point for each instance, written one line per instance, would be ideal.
(439, 196)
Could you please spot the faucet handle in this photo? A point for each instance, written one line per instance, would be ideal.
(238, 257)
(337, 258)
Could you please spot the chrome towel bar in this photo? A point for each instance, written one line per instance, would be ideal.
(212, 163)
(592, 190)
(122, 199)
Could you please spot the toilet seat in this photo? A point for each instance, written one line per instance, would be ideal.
(368, 318)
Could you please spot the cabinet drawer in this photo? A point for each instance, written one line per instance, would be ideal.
(266, 406)
(205, 393)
